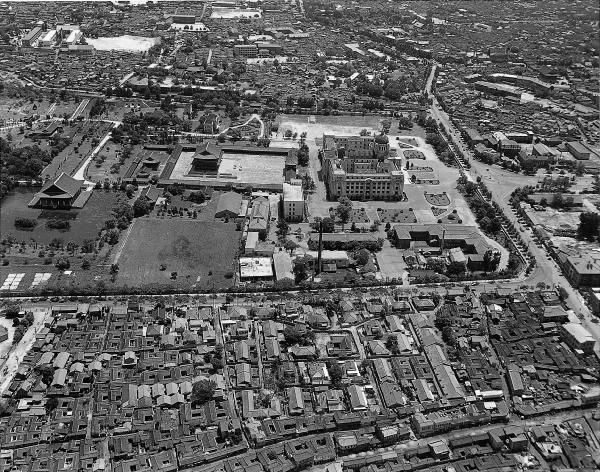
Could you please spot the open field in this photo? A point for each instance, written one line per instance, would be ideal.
(124, 43)
(85, 223)
(232, 13)
(101, 167)
(553, 220)
(391, 215)
(192, 249)
(15, 109)
(341, 125)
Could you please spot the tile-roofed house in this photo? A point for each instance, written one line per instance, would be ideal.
(151, 194)
(295, 401)
(243, 374)
(61, 359)
(358, 398)
(393, 396)
(384, 370)
(259, 216)
(272, 348)
(377, 348)
(207, 158)
(303, 352)
(60, 376)
(229, 205)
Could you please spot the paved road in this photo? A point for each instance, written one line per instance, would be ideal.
(16, 355)
(501, 183)
(80, 174)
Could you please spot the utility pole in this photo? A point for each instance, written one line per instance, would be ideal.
(318, 269)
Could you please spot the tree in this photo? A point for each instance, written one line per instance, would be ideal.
(589, 223)
(51, 404)
(197, 197)
(456, 268)
(216, 362)
(282, 229)
(362, 257)
(203, 391)
(12, 310)
(344, 210)
(63, 263)
(328, 225)
(562, 293)
(336, 373)
(289, 245)
(114, 269)
(491, 260)
(141, 207)
(308, 182)
(436, 264)
(557, 201)
(448, 336)
(300, 270)
(294, 335)
(85, 264)
(391, 343)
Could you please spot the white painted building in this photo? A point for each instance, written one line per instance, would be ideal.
(48, 39)
(293, 202)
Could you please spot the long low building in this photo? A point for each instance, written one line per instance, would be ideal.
(440, 237)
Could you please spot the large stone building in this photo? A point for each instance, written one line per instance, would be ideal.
(360, 168)
(582, 269)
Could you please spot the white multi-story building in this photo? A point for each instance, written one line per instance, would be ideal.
(293, 202)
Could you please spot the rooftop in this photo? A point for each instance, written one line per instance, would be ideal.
(251, 267)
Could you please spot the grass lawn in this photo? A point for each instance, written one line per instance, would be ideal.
(412, 154)
(393, 215)
(438, 199)
(451, 218)
(357, 215)
(191, 248)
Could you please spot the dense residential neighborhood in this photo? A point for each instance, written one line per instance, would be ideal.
(302, 235)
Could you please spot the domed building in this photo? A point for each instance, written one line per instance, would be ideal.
(358, 167)
(382, 146)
